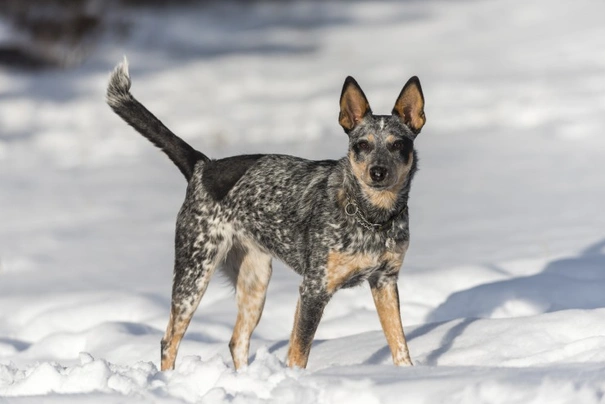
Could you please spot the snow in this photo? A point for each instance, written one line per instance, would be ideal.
(502, 289)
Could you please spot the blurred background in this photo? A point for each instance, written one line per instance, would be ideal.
(62, 33)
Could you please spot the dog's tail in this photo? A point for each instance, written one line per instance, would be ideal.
(139, 117)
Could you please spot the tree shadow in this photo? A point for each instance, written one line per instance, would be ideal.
(448, 341)
(569, 283)
(271, 349)
(17, 345)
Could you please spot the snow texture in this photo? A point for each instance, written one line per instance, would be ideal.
(502, 291)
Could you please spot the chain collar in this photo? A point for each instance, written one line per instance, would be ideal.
(351, 209)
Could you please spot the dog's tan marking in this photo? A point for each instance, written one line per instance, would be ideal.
(386, 299)
(410, 105)
(360, 169)
(170, 350)
(297, 354)
(177, 325)
(343, 266)
(384, 199)
(180, 317)
(353, 105)
(371, 138)
(402, 171)
(251, 290)
(390, 139)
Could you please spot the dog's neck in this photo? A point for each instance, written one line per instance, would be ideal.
(359, 194)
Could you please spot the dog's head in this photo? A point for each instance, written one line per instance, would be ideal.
(381, 147)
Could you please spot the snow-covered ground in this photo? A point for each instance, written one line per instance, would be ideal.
(503, 288)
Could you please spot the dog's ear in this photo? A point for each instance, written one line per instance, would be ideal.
(409, 106)
(353, 105)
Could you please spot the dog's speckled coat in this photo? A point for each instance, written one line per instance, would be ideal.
(335, 222)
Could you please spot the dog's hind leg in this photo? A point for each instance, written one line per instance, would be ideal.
(251, 289)
(191, 277)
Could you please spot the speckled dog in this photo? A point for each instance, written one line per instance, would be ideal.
(335, 222)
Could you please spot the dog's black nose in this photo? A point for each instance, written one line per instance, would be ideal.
(378, 173)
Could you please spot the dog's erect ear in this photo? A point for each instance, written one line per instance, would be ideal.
(410, 105)
(353, 105)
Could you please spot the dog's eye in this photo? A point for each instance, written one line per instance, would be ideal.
(363, 145)
(397, 145)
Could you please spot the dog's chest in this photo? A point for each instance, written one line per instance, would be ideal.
(361, 254)
(348, 268)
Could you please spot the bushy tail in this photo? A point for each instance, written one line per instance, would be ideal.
(139, 117)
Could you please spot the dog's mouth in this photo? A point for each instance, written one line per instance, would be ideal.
(379, 186)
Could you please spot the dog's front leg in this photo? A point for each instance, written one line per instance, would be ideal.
(386, 298)
(309, 310)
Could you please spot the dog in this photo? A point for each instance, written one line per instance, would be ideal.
(337, 223)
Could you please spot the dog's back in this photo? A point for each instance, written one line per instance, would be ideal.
(274, 199)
